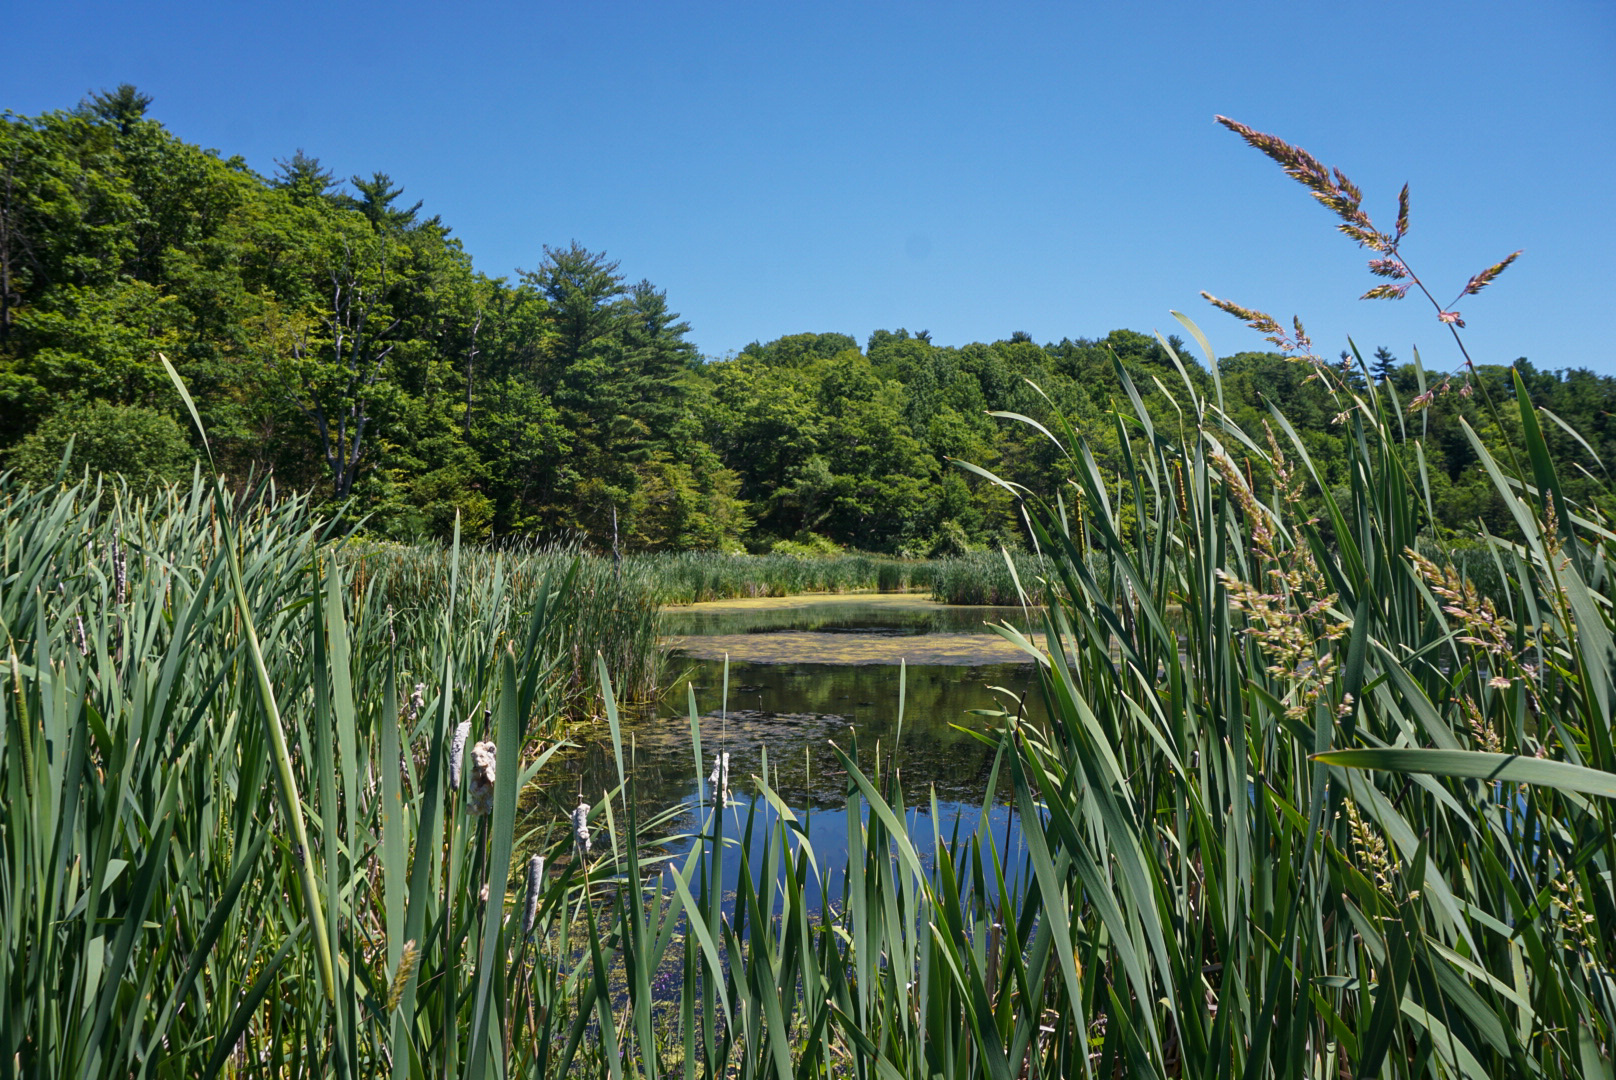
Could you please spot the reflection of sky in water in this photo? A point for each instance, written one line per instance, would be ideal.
(826, 832)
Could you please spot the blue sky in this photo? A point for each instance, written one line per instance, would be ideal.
(968, 169)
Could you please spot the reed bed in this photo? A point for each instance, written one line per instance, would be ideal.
(1300, 809)
(990, 578)
(691, 577)
(603, 609)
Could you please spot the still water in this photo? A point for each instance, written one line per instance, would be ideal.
(808, 675)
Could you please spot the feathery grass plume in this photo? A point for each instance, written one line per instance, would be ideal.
(1485, 278)
(1329, 186)
(418, 702)
(1294, 621)
(1574, 919)
(535, 879)
(457, 753)
(1484, 627)
(406, 967)
(1268, 326)
(480, 782)
(1332, 188)
(1486, 738)
(1370, 850)
(580, 829)
(1260, 321)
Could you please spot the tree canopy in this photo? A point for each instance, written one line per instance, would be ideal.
(337, 335)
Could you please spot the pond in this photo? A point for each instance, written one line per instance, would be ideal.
(806, 675)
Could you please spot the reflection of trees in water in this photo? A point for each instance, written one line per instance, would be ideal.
(793, 712)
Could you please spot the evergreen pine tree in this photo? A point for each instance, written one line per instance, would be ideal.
(1385, 364)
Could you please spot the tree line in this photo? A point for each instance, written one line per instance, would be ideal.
(336, 336)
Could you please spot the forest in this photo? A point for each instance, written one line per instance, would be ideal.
(338, 337)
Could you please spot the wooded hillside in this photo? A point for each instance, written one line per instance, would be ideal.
(337, 334)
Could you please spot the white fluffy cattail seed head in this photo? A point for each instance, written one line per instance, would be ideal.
(480, 784)
(580, 829)
(457, 753)
(719, 778)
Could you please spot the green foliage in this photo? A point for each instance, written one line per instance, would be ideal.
(807, 545)
(985, 577)
(145, 447)
(691, 577)
(338, 336)
(1298, 810)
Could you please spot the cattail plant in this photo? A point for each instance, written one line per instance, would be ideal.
(719, 778)
(535, 882)
(480, 783)
(457, 753)
(580, 829)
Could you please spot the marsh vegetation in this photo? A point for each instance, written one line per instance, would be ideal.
(1297, 797)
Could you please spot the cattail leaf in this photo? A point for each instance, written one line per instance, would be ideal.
(1537, 452)
(507, 768)
(394, 851)
(1478, 765)
(1212, 366)
(190, 406)
(1030, 422)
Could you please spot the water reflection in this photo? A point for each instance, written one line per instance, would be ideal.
(883, 614)
(793, 715)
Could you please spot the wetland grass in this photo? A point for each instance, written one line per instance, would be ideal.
(695, 576)
(984, 578)
(1338, 815)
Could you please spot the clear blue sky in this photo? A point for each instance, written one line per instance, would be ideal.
(971, 170)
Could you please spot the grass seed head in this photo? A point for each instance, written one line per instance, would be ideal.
(1485, 278)
(406, 967)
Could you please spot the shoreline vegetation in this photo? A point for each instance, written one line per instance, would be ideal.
(1305, 799)
(615, 608)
